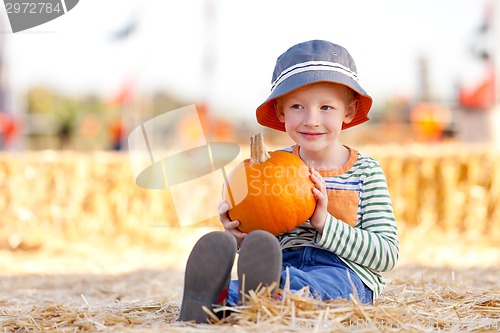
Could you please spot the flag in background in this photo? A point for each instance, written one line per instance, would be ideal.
(482, 95)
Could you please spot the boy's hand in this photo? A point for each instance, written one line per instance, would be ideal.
(320, 213)
(230, 225)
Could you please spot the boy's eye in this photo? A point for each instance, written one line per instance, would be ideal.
(326, 107)
(296, 106)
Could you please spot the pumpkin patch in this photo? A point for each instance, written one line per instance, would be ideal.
(270, 191)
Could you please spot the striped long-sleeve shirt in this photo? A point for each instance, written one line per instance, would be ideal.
(360, 227)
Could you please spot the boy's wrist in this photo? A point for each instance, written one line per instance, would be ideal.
(318, 222)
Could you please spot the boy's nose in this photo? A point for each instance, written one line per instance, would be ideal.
(311, 118)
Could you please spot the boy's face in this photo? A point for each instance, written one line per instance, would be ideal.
(314, 114)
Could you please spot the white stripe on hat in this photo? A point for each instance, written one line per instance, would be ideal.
(313, 66)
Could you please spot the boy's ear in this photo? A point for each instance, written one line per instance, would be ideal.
(350, 112)
(279, 112)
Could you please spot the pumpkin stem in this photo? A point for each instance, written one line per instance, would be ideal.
(258, 151)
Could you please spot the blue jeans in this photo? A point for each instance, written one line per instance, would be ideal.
(327, 276)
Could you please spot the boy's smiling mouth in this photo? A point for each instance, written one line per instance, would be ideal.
(311, 135)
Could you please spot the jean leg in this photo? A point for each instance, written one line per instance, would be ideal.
(327, 276)
(232, 295)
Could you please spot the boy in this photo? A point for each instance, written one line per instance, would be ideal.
(351, 236)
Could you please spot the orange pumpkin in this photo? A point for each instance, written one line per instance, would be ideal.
(270, 191)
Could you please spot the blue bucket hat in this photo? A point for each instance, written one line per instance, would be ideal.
(310, 62)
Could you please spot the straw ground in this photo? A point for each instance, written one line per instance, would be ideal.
(106, 288)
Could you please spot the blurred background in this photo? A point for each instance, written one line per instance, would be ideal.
(84, 80)
(72, 89)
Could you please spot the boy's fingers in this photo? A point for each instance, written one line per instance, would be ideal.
(232, 224)
(232, 227)
(318, 180)
(238, 234)
(223, 207)
(317, 193)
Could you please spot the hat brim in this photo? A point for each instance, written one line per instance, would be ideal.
(266, 113)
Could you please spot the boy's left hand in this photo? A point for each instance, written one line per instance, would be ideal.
(320, 213)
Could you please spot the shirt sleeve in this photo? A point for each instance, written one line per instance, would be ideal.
(373, 243)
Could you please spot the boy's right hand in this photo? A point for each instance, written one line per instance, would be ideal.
(230, 225)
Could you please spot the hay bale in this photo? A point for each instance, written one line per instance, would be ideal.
(71, 195)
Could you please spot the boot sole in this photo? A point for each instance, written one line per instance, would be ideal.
(259, 263)
(208, 271)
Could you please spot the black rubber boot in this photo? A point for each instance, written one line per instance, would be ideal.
(208, 272)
